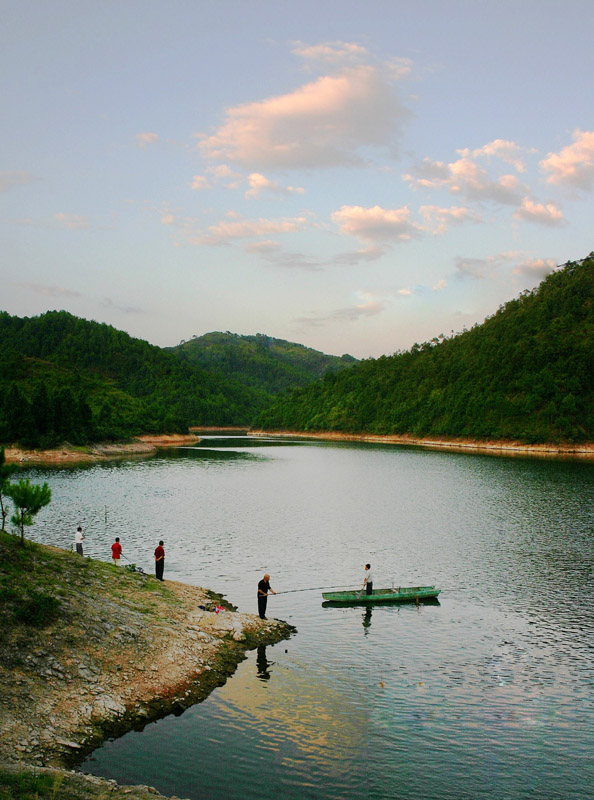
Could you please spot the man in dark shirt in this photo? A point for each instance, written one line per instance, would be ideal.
(159, 561)
(263, 589)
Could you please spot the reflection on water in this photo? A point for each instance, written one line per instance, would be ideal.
(488, 693)
(367, 619)
(263, 664)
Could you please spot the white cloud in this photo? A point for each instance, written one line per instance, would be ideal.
(376, 224)
(320, 124)
(49, 291)
(574, 164)
(264, 247)
(146, 139)
(352, 258)
(465, 177)
(507, 151)
(259, 184)
(73, 222)
(548, 215)
(272, 252)
(537, 268)
(331, 52)
(8, 180)
(398, 68)
(366, 304)
(482, 268)
(109, 303)
(200, 182)
(439, 219)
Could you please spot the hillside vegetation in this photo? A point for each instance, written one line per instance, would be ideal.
(262, 362)
(65, 378)
(526, 373)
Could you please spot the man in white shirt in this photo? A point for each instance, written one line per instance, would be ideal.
(368, 581)
(78, 540)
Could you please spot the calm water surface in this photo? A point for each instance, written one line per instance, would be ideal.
(489, 694)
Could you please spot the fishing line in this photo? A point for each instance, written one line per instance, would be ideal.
(316, 589)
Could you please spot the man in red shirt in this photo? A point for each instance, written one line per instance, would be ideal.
(116, 551)
(159, 561)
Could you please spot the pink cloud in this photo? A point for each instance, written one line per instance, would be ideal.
(503, 149)
(260, 184)
(321, 124)
(73, 222)
(8, 180)
(467, 178)
(376, 223)
(548, 215)
(439, 219)
(574, 164)
(225, 232)
(146, 139)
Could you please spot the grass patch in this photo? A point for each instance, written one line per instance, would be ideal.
(27, 584)
(28, 786)
(37, 609)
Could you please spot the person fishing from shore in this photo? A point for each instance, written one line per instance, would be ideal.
(368, 580)
(159, 561)
(264, 588)
(116, 551)
(78, 540)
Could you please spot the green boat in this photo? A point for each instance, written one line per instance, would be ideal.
(400, 594)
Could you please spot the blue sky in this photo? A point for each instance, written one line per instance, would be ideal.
(353, 176)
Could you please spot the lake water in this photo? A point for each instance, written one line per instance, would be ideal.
(488, 694)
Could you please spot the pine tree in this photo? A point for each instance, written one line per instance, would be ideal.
(28, 501)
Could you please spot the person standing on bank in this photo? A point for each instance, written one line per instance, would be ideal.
(116, 551)
(159, 561)
(368, 580)
(263, 588)
(78, 540)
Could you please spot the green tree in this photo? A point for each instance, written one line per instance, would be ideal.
(28, 501)
(6, 470)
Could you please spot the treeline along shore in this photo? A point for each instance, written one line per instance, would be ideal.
(89, 650)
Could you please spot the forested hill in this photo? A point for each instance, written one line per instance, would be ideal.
(62, 377)
(260, 361)
(526, 373)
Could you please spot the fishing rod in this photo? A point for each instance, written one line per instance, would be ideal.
(350, 586)
(315, 589)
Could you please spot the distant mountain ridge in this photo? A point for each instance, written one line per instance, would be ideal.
(63, 377)
(260, 361)
(525, 373)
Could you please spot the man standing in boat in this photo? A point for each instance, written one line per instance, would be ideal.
(368, 580)
(263, 589)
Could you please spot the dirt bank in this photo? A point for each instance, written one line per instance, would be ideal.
(121, 649)
(69, 454)
(508, 448)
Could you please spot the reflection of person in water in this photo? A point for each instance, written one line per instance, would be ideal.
(367, 620)
(262, 663)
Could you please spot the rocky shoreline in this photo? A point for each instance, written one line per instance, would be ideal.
(146, 445)
(495, 447)
(125, 649)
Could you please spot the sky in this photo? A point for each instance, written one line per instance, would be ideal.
(355, 177)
